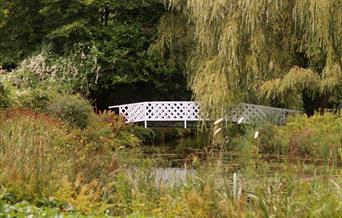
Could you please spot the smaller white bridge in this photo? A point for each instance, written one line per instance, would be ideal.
(187, 111)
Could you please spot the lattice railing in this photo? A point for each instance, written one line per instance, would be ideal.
(190, 111)
(255, 113)
(172, 111)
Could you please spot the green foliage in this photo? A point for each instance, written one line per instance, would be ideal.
(48, 163)
(318, 138)
(208, 192)
(17, 41)
(35, 99)
(5, 100)
(26, 209)
(110, 57)
(146, 135)
(73, 172)
(264, 51)
(32, 157)
(315, 137)
(70, 108)
(75, 72)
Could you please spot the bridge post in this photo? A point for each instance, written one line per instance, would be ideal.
(185, 112)
(145, 115)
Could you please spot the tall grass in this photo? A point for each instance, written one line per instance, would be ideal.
(40, 156)
(31, 153)
(316, 138)
(90, 171)
(263, 192)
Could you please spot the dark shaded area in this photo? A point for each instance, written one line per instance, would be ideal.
(141, 91)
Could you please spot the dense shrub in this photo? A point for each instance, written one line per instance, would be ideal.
(71, 108)
(5, 100)
(105, 134)
(146, 135)
(314, 137)
(22, 79)
(34, 99)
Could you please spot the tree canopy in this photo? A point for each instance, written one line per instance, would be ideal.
(279, 52)
(117, 33)
(284, 53)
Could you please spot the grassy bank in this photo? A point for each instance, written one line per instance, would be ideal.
(212, 191)
(50, 167)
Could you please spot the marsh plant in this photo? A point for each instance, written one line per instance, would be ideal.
(58, 157)
(41, 155)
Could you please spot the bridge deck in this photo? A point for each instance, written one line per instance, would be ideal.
(185, 111)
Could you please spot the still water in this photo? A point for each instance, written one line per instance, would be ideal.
(178, 153)
(176, 161)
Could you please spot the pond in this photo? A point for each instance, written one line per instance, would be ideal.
(176, 161)
(176, 153)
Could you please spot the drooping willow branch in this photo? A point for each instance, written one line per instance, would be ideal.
(256, 50)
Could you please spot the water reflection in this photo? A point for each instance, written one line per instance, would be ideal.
(175, 163)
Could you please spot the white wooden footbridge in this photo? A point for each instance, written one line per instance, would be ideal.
(188, 111)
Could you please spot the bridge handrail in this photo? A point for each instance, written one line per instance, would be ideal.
(142, 102)
(274, 108)
(185, 111)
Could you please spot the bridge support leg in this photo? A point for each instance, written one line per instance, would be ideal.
(185, 124)
(145, 124)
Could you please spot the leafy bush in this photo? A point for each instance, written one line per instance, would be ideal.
(26, 209)
(317, 138)
(5, 100)
(22, 79)
(146, 135)
(35, 99)
(68, 73)
(314, 137)
(70, 108)
(94, 146)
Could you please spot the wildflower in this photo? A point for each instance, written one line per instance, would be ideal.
(217, 131)
(240, 120)
(218, 121)
(256, 134)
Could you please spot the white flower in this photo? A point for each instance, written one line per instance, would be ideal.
(218, 121)
(217, 131)
(256, 134)
(240, 120)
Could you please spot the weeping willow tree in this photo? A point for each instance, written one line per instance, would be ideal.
(277, 52)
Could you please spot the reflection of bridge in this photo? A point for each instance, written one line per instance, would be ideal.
(187, 111)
